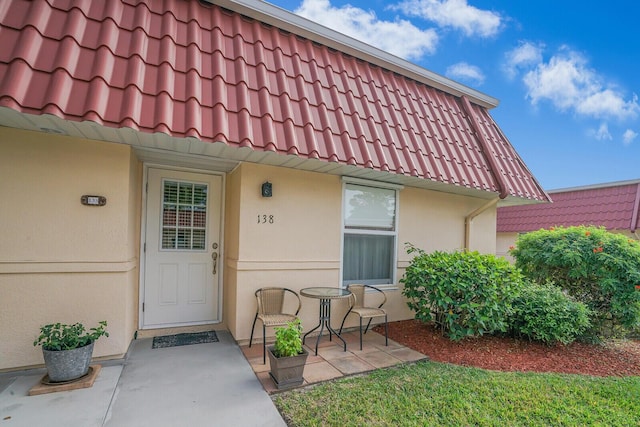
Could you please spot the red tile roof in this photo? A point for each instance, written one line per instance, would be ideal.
(614, 206)
(187, 70)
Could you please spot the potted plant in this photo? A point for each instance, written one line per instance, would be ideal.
(67, 349)
(287, 356)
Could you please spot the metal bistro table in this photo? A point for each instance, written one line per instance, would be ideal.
(325, 295)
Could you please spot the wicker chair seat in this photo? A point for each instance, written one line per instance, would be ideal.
(368, 312)
(276, 319)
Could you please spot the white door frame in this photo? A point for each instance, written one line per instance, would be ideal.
(143, 228)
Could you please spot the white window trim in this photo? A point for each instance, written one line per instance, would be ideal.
(369, 183)
(376, 184)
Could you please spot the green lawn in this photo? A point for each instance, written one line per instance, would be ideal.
(437, 394)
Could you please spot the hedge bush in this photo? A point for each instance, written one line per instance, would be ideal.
(465, 293)
(544, 313)
(596, 267)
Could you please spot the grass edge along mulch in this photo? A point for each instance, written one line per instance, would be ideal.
(433, 393)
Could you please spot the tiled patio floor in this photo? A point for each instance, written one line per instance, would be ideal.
(332, 362)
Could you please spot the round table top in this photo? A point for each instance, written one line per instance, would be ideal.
(324, 292)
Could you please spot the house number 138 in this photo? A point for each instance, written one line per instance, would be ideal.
(265, 219)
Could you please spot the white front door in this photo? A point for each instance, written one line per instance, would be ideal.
(182, 254)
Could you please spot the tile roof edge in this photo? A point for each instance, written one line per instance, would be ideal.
(296, 24)
(546, 196)
(595, 186)
(502, 185)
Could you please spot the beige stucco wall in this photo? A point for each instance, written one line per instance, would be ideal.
(68, 262)
(434, 220)
(231, 248)
(62, 261)
(301, 248)
(503, 242)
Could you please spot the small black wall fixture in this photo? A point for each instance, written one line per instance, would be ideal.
(267, 189)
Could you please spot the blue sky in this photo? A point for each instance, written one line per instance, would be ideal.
(567, 73)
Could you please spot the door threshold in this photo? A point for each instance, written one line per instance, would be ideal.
(150, 333)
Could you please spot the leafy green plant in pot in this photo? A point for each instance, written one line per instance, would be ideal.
(287, 357)
(67, 349)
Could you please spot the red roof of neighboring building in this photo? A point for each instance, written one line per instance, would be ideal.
(614, 206)
(187, 70)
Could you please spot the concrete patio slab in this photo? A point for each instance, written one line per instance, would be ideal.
(83, 407)
(379, 359)
(406, 354)
(320, 371)
(192, 385)
(351, 365)
(333, 362)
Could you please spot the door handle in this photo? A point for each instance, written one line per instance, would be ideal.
(214, 257)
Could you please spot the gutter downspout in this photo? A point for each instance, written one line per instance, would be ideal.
(495, 169)
(469, 219)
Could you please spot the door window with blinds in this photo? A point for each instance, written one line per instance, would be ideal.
(184, 215)
(369, 235)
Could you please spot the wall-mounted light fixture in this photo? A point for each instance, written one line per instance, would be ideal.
(267, 189)
(93, 200)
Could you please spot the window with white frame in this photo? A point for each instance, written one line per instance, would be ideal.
(184, 215)
(369, 234)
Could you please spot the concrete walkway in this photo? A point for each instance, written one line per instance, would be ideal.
(195, 385)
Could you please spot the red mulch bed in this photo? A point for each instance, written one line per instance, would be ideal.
(620, 358)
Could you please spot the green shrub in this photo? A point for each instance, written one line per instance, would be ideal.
(58, 336)
(544, 313)
(596, 267)
(465, 293)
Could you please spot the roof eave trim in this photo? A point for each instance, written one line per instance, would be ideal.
(280, 18)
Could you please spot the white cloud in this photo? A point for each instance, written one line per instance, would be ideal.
(602, 133)
(526, 55)
(399, 37)
(570, 85)
(604, 102)
(456, 14)
(466, 72)
(628, 136)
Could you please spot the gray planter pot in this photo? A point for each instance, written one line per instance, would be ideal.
(286, 372)
(67, 365)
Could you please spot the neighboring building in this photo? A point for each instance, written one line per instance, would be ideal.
(173, 117)
(612, 205)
